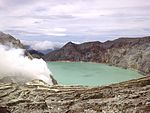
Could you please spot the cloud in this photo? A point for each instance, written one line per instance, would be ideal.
(74, 18)
(59, 29)
(43, 45)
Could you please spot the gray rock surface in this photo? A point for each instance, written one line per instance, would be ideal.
(6, 39)
(38, 97)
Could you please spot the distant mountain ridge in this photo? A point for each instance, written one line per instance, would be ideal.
(35, 54)
(123, 52)
(46, 51)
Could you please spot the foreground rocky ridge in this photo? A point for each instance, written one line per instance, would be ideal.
(123, 52)
(37, 97)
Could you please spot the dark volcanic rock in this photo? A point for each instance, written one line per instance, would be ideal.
(38, 97)
(35, 54)
(4, 110)
(53, 80)
(123, 52)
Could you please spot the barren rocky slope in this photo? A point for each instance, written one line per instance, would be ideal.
(123, 52)
(37, 97)
(9, 40)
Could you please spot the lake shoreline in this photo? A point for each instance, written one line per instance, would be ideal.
(140, 72)
(93, 73)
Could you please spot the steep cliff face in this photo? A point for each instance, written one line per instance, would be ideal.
(123, 52)
(130, 53)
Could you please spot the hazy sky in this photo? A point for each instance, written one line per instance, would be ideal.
(74, 20)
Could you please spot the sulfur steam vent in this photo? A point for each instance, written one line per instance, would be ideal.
(18, 68)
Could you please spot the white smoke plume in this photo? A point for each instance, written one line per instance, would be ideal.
(14, 63)
(42, 45)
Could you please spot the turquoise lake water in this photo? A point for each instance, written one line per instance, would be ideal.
(89, 74)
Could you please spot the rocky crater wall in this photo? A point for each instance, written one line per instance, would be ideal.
(131, 53)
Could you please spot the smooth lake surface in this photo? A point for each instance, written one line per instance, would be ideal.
(89, 74)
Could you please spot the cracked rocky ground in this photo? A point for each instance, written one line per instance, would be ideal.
(37, 97)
